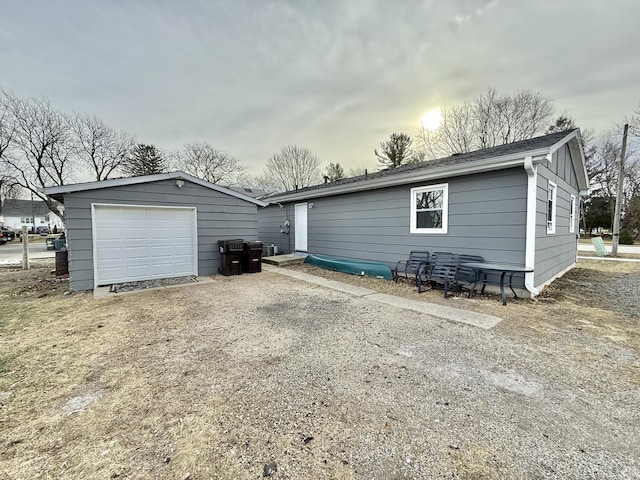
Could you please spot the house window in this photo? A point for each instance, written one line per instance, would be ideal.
(26, 220)
(429, 209)
(551, 207)
(572, 214)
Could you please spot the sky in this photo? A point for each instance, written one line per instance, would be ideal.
(334, 76)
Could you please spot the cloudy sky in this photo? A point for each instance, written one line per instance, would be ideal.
(335, 76)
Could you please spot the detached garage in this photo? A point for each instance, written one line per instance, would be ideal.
(150, 227)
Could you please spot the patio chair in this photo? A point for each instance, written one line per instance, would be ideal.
(598, 246)
(411, 266)
(439, 271)
(465, 276)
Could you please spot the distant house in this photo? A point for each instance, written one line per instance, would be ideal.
(251, 192)
(515, 203)
(149, 227)
(17, 213)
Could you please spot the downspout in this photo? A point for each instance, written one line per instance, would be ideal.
(530, 236)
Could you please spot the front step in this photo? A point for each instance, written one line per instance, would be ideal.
(283, 260)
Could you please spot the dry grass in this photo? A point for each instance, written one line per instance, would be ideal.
(114, 388)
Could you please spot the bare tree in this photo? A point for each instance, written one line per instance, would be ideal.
(40, 153)
(292, 168)
(489, 120)
(634, 122)
(99, 146)
(357, 171)
(8, 187)
(396, 151)
(144, 159)
(605, 166)
(334, 172)
(455, 134)
(208, 163)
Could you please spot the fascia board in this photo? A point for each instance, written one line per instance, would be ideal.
(575, 146)
(410, 177)
(122, 182)
(553, 148)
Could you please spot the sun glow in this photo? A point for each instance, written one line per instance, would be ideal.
(432, 119)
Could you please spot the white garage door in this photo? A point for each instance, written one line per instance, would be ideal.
(133, 243)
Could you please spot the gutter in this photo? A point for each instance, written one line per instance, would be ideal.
(530, 236)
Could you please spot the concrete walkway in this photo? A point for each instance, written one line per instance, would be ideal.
(475, 319)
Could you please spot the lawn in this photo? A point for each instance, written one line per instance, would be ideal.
(260, 374)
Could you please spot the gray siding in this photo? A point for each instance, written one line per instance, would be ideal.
(271, 220)
(220, 216)
(487, 215)
(556, 252)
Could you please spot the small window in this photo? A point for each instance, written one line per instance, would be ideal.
(551, 207)
(429, 207)
(572, 214)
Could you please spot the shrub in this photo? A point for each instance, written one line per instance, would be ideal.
(626, 238)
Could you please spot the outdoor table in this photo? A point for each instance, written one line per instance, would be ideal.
(481, 269)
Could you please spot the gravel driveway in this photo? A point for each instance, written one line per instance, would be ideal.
(267, 375)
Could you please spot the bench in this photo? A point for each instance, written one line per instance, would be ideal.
(444, 269)
(411, 266)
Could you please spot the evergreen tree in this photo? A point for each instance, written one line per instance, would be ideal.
(396, 151)
(144, 160)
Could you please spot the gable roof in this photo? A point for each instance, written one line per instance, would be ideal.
(24, 208)
(488, 159)
(59, 191)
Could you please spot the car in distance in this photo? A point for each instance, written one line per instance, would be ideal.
(42, 230)
(7, 233)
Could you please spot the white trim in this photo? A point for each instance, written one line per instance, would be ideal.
(551, 229)
(93, 230)
(121, 182)
(445, 209)
(572, 214)
(530, 236)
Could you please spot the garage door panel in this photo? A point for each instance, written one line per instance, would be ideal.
(134, 252)
(139, 243)
(134, 233)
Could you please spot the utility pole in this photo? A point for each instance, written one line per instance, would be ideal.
(616, 216)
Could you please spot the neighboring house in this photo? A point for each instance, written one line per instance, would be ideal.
(148, 227)
(251, 192)
(17, 213)
(515, 203)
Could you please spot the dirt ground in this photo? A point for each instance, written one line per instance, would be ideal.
(263, 375)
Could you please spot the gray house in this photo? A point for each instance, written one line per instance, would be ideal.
(515, 203)
(148, 227)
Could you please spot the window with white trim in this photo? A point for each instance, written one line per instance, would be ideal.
(572, 214)
(551, 207)
(429, 209)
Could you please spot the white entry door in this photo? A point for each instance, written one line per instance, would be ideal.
(132, 243)
(301, 227)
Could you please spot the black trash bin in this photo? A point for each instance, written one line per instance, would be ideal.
(252, 258)
(231, 256)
